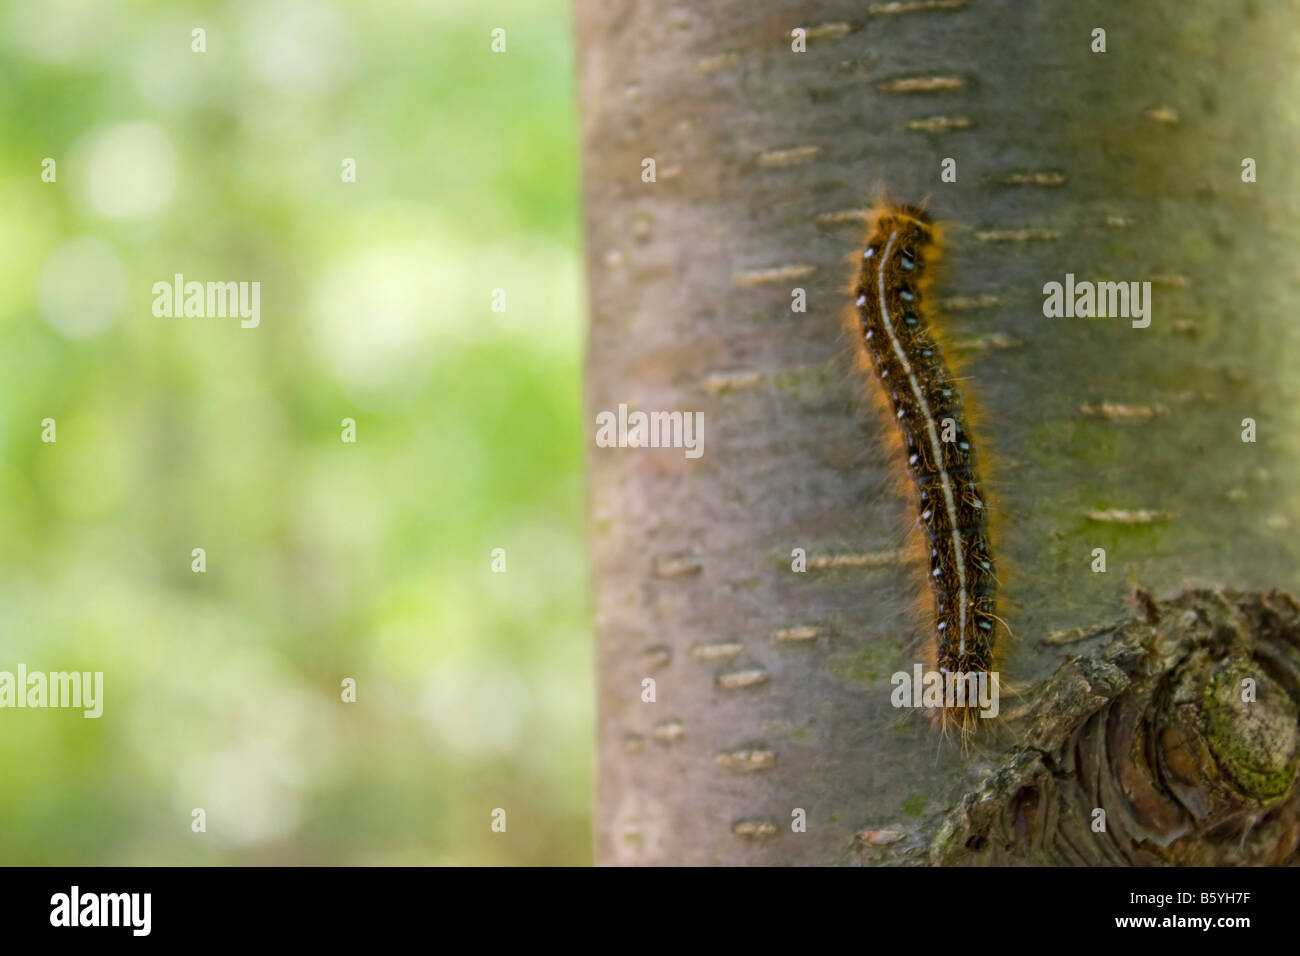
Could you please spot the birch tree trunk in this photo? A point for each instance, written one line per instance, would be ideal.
(771, 686)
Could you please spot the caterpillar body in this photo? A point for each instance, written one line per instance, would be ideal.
(898, 343)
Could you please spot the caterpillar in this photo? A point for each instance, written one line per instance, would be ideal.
(897, 341)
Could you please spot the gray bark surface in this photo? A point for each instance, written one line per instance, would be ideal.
(763, 156)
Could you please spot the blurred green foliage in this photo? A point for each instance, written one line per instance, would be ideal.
(325, 560)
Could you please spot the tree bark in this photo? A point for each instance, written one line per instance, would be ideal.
(772, 687)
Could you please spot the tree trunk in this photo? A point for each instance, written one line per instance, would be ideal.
(771, 686)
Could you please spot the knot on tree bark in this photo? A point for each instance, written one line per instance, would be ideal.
(1175, 744)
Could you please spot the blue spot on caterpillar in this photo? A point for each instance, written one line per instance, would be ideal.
(931, 420)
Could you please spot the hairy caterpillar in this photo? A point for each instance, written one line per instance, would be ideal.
(897, 342)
